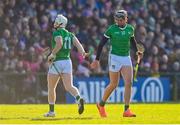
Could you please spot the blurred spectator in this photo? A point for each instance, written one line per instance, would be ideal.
(164, 63)
(176, 66)
(83, 69)
(26, 30)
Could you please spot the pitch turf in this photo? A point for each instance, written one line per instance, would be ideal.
(67, 114)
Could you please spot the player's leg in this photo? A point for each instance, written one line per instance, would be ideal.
(68, 84)
(114, 80)
(52, 79)
(52, 83)
(114, 76)
(127, 74)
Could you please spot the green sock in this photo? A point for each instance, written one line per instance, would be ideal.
(51, 107)
(126, 107)
(102, 103)
(77, 98)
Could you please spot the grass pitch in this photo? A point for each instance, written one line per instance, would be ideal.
(67, 114)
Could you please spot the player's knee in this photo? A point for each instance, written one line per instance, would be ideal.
(128, 84)
(51, 88)
(113, 86)
(50, 91)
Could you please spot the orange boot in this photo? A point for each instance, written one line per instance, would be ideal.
(101, 110)
(128, 113)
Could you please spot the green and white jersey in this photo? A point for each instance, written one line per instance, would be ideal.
(64, 52)
(120, 39)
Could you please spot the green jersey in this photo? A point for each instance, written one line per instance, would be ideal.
(64, 52)
(120, 39)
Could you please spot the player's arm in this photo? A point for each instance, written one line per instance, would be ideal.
(100, 47)
(78, 45)
(58, 46)
(104, 40)
(95, 63)
(133, 42)
(59, 42)
(139, 48)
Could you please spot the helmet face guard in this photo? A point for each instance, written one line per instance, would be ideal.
(60, 21)
(120, 14)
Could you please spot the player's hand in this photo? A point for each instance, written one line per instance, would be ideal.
(85, 55)
(140, 54)
(94, 64)
(51, 58)
(141, 49)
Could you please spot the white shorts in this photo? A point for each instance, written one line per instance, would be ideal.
(61, 66)
(116, 62)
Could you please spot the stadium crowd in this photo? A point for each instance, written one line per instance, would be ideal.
(26, 27)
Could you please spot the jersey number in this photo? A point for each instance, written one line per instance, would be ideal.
(67, 42)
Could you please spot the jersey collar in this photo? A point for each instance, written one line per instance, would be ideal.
(123, 27)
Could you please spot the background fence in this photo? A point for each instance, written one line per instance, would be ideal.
(28, 88)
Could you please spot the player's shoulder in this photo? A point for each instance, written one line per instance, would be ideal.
(111, 27)
(66, 31)
(71, 34)
(130, 26)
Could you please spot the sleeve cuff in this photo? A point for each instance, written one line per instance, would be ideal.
(106, 36)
